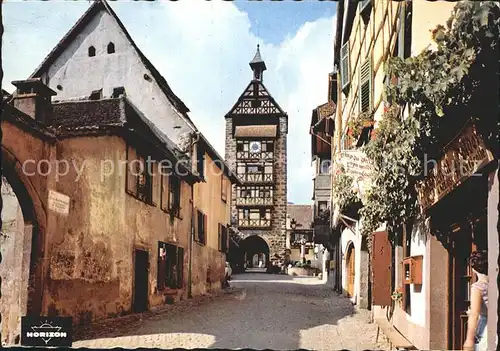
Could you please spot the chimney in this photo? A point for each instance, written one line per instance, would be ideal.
(34, 99)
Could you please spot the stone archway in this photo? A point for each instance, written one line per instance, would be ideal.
(256, 252)
(23, 223)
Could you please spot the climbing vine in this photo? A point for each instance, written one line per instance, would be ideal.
(443, 88)
(356, 123)
(343, 191)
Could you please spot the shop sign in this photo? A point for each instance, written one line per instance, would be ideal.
(358, 167)
(463, 158)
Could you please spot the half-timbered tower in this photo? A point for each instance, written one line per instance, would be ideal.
(256, 131)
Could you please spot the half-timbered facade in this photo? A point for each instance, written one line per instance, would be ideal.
(256, 130)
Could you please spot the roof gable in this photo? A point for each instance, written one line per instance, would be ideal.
(256, 100)
(94, 10)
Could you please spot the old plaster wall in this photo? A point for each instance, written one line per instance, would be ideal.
(208, 261)
(91, 254)
(78, 74)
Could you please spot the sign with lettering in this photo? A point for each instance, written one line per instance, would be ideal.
(358, 167)
(463, 158)
(59, 202)
(46, 331)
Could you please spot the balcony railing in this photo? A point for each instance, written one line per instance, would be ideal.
(254, 223)
(247, 155)
(254, 201)
(257, 178)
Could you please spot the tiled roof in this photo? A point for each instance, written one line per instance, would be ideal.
(303, 215)
(261, 131)
(74, 115)
(25, 122)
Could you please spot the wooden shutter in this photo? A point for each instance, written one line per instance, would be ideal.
(162, 268)
(381, 267)
(205, 231)
(365, 87)
(344, 65)
(164, 192)
(132, 171)
(156, 184)
(180, 267)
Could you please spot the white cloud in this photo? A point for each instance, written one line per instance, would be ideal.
(203, 51)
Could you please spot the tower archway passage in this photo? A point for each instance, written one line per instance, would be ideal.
(255, 251)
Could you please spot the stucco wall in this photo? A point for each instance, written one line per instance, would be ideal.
(426, 16)
(91, 253)
(79, 75)
(208, 261)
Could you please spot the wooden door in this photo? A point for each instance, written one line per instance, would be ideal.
(141, 288)
(460, 281)
(350, 271)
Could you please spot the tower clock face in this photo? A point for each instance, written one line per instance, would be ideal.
(255, 147)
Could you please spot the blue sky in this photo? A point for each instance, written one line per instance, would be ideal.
(203, 52)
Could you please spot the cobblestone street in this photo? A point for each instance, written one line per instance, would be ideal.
(261, 311)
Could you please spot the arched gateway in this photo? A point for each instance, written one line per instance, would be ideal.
(22, 242)
(256, 132)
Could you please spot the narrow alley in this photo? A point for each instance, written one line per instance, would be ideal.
(261, 311)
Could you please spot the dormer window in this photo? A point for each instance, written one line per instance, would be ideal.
(91, 51)
(111, 48)
(96, 95)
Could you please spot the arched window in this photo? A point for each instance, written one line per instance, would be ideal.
(91, 51)
(111, 48)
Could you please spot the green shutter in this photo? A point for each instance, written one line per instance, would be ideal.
(344, 65)
(365, 87)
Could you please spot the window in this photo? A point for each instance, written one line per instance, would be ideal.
(118, 91)
(344, 66)
(174, 195)
(322, 206)
(139, 177)
(223, 238)
(201, 227)
(365, 87)
(170, 266)
(111, 48)
(255, 172)
(365, 7)
(254, 217)
(91, 51)
(254, 195)
(223, 186)
(96, 95)
(200, 162)
(164, 191)
(325, 166)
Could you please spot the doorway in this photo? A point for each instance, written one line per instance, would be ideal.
(141, 286)
(350, 264)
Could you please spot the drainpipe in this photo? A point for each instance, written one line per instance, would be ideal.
(191, 231)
